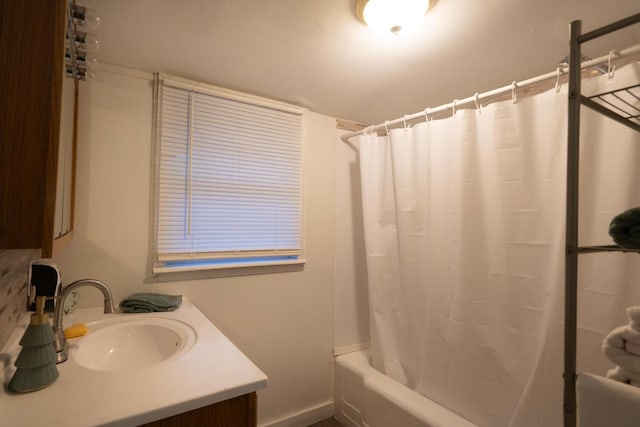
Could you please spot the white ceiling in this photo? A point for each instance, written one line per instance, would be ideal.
(315, 53)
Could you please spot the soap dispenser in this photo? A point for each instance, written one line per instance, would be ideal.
(36, 363)
(44, 280)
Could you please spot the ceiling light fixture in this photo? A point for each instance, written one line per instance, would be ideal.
(393, 16)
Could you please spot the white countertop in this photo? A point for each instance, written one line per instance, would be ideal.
(212, 371)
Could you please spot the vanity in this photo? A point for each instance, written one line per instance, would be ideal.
(174, 369)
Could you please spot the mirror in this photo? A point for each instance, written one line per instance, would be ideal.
(63, 219)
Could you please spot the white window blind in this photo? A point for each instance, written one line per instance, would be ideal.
(228, 179)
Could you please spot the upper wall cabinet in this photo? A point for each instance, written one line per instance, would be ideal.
(32, 40)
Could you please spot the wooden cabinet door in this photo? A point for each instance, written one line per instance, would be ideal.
(31, 60)
(236, 412)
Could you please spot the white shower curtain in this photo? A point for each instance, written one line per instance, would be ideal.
(464, 232)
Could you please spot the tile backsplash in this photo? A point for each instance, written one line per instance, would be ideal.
(14, 273)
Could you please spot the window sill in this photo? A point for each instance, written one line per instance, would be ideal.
(225, 270)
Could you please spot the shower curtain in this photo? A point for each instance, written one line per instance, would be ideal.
(464, 234)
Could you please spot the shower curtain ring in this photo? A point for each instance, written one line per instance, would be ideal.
(611, 67)
(404, 120)
(426, 115)
(558, 72)
(476, 99)
(386, 126)
(453, 106)
(514, 96)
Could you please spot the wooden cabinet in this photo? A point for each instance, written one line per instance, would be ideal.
(32, 37)
(236, 412)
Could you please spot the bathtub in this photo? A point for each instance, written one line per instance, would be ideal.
(365, 397)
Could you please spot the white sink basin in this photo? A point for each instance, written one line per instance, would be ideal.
(122, 343)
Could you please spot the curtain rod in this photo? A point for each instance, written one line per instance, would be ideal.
(476, 99)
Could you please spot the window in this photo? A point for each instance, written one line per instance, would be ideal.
(228, 179)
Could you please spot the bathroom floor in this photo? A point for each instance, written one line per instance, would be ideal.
(329, 422)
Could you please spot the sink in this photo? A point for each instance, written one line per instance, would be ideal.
(123, 344)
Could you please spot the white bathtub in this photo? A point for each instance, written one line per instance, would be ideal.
(365, 397)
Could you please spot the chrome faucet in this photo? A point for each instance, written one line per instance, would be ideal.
(62, 347)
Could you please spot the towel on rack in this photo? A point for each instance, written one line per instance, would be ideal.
(149, 302)
(625, 228)
(620, 375)
(622, 347)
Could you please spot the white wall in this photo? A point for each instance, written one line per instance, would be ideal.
(351, 318)
(283, 322)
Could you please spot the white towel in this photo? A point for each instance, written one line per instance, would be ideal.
(634, 316)
(622, 347)
(619, 374)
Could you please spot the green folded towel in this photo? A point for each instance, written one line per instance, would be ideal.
(625, 229)
(147, 302)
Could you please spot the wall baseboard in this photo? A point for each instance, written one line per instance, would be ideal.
(305, 417)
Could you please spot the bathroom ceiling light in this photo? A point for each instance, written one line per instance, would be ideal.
(391, 15)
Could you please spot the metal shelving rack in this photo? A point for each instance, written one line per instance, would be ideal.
(617, 105)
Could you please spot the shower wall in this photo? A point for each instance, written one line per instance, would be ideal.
(351, 312)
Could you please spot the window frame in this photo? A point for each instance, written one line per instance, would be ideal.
(196, 268)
